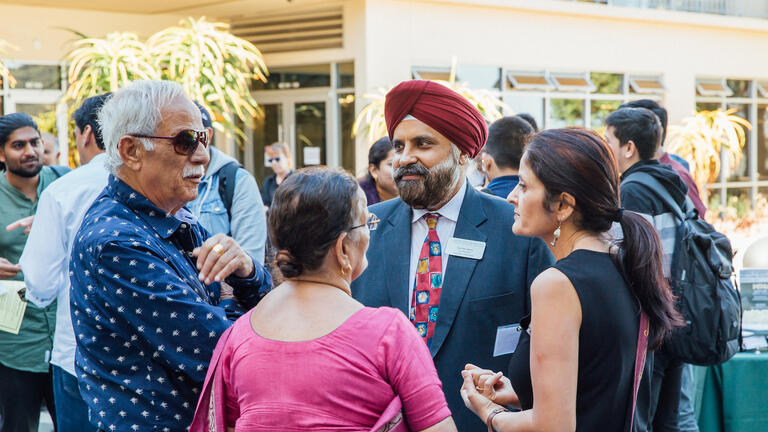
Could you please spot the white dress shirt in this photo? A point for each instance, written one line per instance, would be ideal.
(45, 260)
(446, 225)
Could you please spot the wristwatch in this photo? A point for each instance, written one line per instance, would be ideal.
(491, 415)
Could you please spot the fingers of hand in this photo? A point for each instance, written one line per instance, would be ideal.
(225, 265)
(206, 257)
(24, 222)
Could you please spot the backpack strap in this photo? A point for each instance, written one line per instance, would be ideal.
(227, 180)
(660, 191)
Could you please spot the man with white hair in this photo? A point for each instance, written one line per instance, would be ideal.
(147, 301)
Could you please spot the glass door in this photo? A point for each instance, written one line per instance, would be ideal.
(309, 133)
(267, 130)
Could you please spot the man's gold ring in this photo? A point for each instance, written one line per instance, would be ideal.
(218, 248)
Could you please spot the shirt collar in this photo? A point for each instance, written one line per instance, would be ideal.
(450, 210)
(165, 224)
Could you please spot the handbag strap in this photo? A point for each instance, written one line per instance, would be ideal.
(642, 349)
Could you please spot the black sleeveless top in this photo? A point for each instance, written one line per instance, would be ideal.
(607, 344)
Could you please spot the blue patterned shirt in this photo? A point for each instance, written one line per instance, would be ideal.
(145, 325)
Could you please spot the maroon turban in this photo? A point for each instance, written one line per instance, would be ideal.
(440, 108)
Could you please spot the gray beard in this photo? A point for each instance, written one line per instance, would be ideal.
(436, 185)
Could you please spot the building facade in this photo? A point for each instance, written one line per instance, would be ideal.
(565, 62)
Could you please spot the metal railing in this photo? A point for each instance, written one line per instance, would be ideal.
(744, 8)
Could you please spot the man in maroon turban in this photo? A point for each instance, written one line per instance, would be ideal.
(444, 253)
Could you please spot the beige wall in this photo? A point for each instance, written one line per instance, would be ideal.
(40, 33)
(555, 35)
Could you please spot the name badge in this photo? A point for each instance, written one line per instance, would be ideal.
(465, 248)
(506, 339)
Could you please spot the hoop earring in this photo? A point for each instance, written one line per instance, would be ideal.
(556, 233)
(346, 269)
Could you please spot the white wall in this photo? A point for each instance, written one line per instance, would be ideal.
(40, 33)
(555, 35)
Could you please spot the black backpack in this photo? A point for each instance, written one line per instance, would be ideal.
(700, 277)
(227, 180)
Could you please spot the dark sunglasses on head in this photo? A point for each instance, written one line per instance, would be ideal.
(185, 142)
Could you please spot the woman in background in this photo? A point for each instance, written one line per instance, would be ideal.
(378, 184)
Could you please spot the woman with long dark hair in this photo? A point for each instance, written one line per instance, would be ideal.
(579, 352)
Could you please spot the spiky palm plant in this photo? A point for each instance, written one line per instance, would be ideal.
(5, 73)
(703, 138)
(99, 65)
(215, 67)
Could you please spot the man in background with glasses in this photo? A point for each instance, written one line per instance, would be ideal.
(147, 302)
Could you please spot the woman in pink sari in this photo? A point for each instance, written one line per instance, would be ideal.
(309, 356)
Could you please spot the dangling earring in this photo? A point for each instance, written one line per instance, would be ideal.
(556, 233)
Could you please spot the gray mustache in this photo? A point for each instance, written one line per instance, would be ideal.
(414, 169)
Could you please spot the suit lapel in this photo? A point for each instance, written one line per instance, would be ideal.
(398, 255)
(459, 270)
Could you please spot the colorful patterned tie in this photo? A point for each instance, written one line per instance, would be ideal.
(428, 282)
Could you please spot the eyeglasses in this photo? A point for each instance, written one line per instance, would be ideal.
(274, 160)
(185, 142)
(371, 223)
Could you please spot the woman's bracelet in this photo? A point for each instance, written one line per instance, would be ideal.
(491, 415)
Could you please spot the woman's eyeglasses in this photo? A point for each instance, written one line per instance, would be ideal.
(185, 142)
(371, 223)
(274, 160)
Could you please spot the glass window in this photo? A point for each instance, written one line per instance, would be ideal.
(37, 77)
(345, 75)
(738, 201)
(713, 88)
(566, 112)
(762, 142)
(528, 81)
(35, 109)
(434, 74)
(607, 83)
(310, 133)
(266, 130)
(762, 89)
(480, 77)
(742, 171)
(526, 103)
(346, 120)
(294, 77)
(707, 106)
(740, 88)
(600, 109)
(646, 85)
(573, 82)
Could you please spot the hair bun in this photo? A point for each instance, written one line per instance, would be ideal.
(288, 264)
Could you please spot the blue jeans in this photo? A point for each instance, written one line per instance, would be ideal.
(687, 417)
(72, 410)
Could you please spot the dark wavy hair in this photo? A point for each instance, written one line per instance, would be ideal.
(310, 210)
(579, 162)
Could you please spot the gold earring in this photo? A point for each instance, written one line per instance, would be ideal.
(556, 233)
(346, 269)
